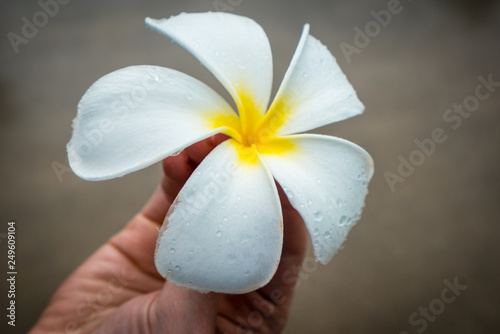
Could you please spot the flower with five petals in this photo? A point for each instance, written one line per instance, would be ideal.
(224, 231)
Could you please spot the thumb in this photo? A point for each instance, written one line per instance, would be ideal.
(180, 310)
(172, 310)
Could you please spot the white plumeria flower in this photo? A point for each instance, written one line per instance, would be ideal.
(224, 231)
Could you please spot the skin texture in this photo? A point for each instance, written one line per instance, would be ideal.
(118, 290)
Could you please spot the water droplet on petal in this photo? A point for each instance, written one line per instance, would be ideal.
(225, 218)
(174, 240)
(309, 201)
(218, 233)
(177, 267)
(176, 153)
(349, 221)
(231, 258)
(318, 216)
(305, 75)
(327, 234)
(342, 220)
(247, 273)
(169, 270)
(172, 250)
(316, 231)
(316, 243)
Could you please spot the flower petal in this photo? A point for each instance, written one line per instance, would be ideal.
(314, 91)
(234, 48)
(326, 180)
(136, 116)
(223, 232)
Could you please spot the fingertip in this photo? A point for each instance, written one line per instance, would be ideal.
(198, 151)
(177, 167)
(219, 138)
(197, 311)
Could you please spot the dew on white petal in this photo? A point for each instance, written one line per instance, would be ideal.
(327, 234)
(218, 233)
(191, 252)
(174, 240)
(247, 273)
(172, 250)
(305, 75)
(342, 220)
(189, 97)
(177, 267)
(231, 258)
(309, 201)
(225, 218)
(176, 153)
(169, 270)
(349, 221)
(318, 216)
(316, 243)
(316, 231)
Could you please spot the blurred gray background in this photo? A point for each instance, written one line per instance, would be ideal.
(440, 224)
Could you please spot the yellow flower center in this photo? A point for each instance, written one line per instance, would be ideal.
(253, 131)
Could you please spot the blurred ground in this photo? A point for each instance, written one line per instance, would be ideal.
(440, 224)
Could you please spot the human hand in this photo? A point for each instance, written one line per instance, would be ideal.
(118, 289)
